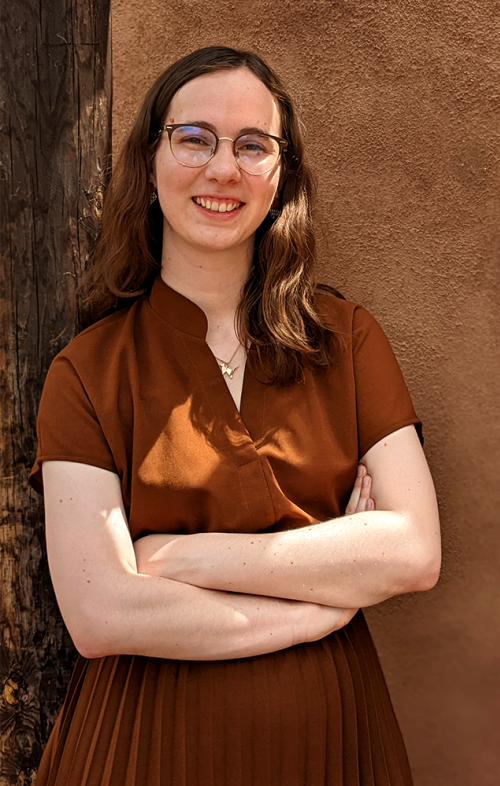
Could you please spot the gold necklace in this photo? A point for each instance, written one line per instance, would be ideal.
(226, 367)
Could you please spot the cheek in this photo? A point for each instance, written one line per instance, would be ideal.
(164, 177)
(274, 185)
(267, 195)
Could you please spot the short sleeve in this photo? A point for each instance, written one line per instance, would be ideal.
(68, 428)
(383, 403)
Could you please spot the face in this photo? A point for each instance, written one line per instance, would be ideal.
(231, 101)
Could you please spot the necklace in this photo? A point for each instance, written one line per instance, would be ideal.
(226, 367)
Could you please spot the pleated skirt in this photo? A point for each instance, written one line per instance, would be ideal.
(317, 714)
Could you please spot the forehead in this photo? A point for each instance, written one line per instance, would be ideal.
(230, 100)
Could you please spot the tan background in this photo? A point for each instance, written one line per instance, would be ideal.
(401, 106)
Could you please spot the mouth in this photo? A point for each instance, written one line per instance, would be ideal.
(217, 205)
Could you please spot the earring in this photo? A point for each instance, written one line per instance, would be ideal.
(153, 197)
(275, 209)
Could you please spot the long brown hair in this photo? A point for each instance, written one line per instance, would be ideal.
(276, 313)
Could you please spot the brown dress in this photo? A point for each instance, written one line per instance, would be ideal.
(141, 394)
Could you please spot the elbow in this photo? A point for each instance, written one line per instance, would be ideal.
(91, 630)
(425, 570)
(90, 642)
(90, 648)
(428, 577)
(422, 555)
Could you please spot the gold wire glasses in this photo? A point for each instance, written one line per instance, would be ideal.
(194, 146)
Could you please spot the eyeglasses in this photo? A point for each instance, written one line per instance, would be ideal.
(194, 146)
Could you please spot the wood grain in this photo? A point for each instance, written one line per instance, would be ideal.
(55, 144)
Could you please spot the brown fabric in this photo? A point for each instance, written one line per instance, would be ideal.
(141, 394)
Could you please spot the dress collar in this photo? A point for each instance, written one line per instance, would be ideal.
(177, 309)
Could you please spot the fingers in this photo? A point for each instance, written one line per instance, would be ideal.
(366, 486)
(356, 491)
(366, 501)
(360, 500)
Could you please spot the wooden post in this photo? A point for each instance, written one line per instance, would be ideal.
(55, 144)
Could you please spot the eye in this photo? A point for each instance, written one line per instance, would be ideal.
(193, 138)
(255, 145)
(252, 146)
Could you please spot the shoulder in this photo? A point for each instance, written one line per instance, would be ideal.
(98, 343)
(355, 328)
(97, 359)
(340, 315)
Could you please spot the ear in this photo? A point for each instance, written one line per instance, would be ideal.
(152, 179)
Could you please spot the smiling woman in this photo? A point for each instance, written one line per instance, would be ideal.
(230, 467)
(198, 176)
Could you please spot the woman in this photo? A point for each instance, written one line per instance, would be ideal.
(199, 446)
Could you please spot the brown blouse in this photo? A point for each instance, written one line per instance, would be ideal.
(141, 394)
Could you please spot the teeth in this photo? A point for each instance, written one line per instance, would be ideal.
(217, 207)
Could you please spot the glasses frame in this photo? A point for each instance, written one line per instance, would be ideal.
(171, 127)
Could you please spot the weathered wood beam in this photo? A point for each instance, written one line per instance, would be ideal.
(55, 144)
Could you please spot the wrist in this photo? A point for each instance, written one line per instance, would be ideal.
(304, 623)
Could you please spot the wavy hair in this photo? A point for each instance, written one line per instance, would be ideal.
(277, 313)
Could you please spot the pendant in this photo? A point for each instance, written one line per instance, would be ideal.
(226, 370)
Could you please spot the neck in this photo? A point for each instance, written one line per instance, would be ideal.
(212, 279)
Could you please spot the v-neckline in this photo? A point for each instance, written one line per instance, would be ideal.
(247, 422)
(244, 427)
(239, 369)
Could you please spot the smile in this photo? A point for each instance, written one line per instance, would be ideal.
(217, 205)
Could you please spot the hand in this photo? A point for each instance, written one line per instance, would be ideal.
(360, 500)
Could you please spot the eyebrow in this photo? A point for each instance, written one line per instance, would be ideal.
(210, 127)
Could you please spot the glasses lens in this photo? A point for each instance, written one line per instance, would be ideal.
(256, 153)
(192, 145)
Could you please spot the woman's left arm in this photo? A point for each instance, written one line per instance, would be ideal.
(354, 561)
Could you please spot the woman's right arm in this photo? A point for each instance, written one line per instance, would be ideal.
(109, 608)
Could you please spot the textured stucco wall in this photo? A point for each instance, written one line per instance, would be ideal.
(401, 105)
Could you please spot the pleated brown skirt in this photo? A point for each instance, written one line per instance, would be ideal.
(317, 714)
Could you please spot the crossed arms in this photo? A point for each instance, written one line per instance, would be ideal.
(217, 595)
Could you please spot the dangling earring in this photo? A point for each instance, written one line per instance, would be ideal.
(153, 196)
(275, 209)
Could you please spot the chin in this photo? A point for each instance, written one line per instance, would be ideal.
(221, 243)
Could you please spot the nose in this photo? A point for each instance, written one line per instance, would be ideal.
(222, 166)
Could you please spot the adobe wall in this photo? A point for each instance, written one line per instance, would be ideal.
(401, 107)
